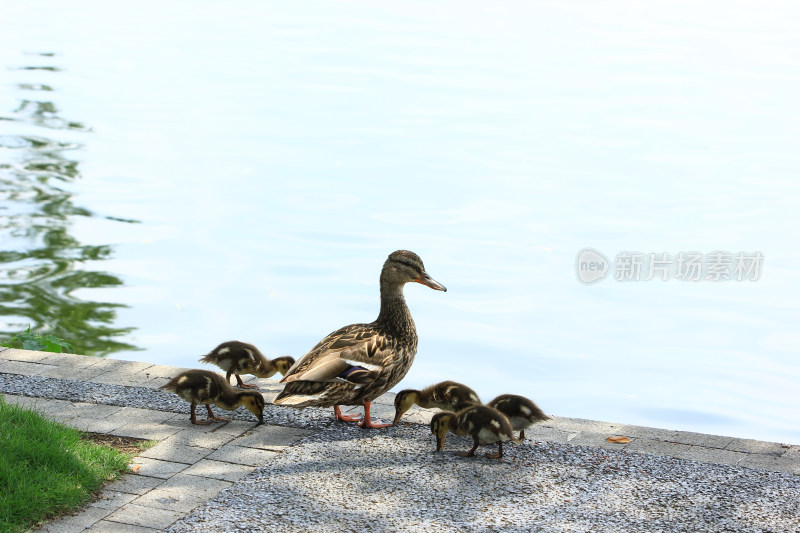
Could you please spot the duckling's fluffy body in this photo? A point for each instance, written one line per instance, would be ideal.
(357, 363)
(520, 411)
(447, 395)
(238, 358)
(485, 425)
(205, 388)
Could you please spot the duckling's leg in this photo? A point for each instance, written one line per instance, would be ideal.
(195, 420)
(522, 434)
(367, 423)
(215, 418)
(470, 453)
(344, 418)
(497, 455)
(243, 385)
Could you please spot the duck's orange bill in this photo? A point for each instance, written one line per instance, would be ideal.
(425, 279)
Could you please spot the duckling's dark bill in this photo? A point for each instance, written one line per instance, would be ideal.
(425, 279)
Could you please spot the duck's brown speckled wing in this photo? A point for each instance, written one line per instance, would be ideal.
(358, 345)
(351, 365)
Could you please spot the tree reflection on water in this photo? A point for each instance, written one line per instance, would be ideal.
(40, 262)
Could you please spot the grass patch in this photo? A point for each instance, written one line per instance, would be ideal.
(47, 469)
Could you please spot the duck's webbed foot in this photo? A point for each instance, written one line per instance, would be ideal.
(212, 416)
(194, 419)
(368, 423)
(470, 453)
(497, 455)
(337, 412)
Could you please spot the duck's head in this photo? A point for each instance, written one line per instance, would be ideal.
(440, 425)
(253, 401)
(403, 266)
(404, 400)
(283, 364)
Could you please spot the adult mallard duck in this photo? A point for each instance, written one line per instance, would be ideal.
(204, 387)
(241, 358)
(521, 412)
(447, 395)
(357, 363)
(484, 424)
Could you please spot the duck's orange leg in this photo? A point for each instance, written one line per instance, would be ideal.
(243, 385)
(344, 418)
(367, 423)
(211, 415)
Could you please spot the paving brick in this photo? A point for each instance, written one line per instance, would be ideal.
(234, 428)
(144, 415)
(23, 401)
(580, 425)
(701, 439)
(596, 439)
(58, 410)
(171, 449)
(106, 526)
(202, 436)
(231, 453)
(153, 383)
(771, 463)
(30, 356)
(712, 455)
(91, 425)
(110, 499)
(145, 424)
(139, 515)
(96, 410)
(134, 484)
(549, 434)
(756, 446)
(24, 367)
(219, 470)
(156, 468)
(109, 364)
(71, 361)
(76, 523)
(647, 433)
(272, 437)
(128, 375)
(162, 371)
(657, 447)
(79, 373)
(182, 493)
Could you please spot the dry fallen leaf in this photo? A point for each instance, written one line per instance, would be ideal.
(619, 440)
(135, 468)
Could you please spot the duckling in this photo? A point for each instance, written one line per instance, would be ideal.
(521, 412)
(446, 395)
(484, 424)
(205, 387)
(241, 358)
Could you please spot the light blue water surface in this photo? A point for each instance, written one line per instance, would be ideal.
(274, 154)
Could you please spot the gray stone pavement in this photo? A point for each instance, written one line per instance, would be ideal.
(192, 464)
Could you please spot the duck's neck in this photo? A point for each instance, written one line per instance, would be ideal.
(395, 318)
(229, 399)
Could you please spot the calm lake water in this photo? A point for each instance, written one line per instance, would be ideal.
(178, 174)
